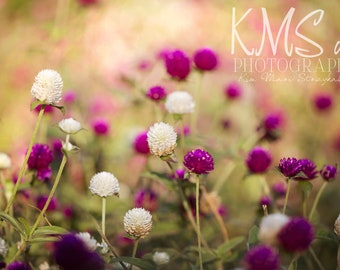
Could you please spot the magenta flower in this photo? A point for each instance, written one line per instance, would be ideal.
(44, 174)
(279, 189)
(199, 161)
(147, 199)
(307, 169)
(323, 102)
(41, 200)
(262, 258)
(40, 157)
(101, 127)
(205, 59)
(233, 90)
(258, 160)
(18, 266)
(328, 172)
(177, 64)
(296, 235)
(265, 200)
(69, 97)
(289, 167)
(140, 143)
(272, 122)
(156, 93)
(48, 109)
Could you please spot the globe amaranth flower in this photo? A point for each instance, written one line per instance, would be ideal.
(270, 226)
(296, 235)
(156, 93)
(199, 161)
(147, 199)
(271, 126)
(140, 143)
(5, 161)
(70, 97)
(307, 170)
(44, 174)
(3, 247)
(137, 222)
(233, 90)
(328, 172)
(279, 189)
(71, 253)
(41, 201)
(258, 160)
(69, 126)
(47, 86)
(205, 59)
(177, 64)
(262, 257)
(18, 266)
(160, 258)
(179, 102)
(265, 200)
(40, 157)
(161, 139)
(100, 127)
(323, 102)
(88, 240)
(104, 184)
(289, 167)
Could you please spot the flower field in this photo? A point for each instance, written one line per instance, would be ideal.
(182, 135)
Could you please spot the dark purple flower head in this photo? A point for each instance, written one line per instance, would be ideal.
(40, 157)
(265, 200)
(328, 172)
(101, 127)
(258, 160)
(289, 167)
(147, 199)
(307, 170)
(18, 266)
(2, 265)
(199, 161)
(296, 235)
(272, 122)
(44, 174)
(279, 189)
(71, 253)
(156, 93)
(179, 174)
(177, 64)
(140, 143)
(323, 102)
(41, 200)
(70, 96)
(233, 90)
(262, 258)
(205, 59)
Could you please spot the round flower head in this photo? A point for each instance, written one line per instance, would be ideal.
(261, 258)
(179, 102)
(337, 226)
(160, 258)
(18, 266)
(270, 226)
(199, 161)
(101, 127)
(258, 160)
(44, 174)
(147, 199)
(41, 201)
(104, 184)
(177, 64)
(69, 126)
(265, 200)
(88, 240)
(40, 157)
(205, 59)
(156, 93)
(140, 143)
(233, 90)
(289, 167)
(3, 248)
(47, 86)
(138, 222)
(308, 170)
(323, 102)
(5, 161)
(161, 139)
(296, 235)
(279, 189)
(328, 172)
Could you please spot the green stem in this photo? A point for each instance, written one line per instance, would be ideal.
(54, 188)
(316, 201)
(287, 195)
(198, 223)
(28, 153)
(134, 251)
(197, 97)
(316, 259)
(293, 263)
(103, 214)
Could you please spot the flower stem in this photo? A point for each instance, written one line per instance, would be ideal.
(134, 251)
(28, 153)
(198, 223)
(103, 214)
(54, 188)
(287, 195)
(316, 201)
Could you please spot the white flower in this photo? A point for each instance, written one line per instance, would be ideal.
(88, 240)
(47, 86)
(104, 184)
(161, 139)
(69, 126)
(138, 222)
(5, 161)
(160, 258)
(337, 227)
(179, 102)
(270, 226)
(3, 248)
(44, 266)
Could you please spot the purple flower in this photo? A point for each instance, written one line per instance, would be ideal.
(308, 170)
(40, 157)
(199, 161)
(71, 253)
(233, 90)
(156, 93)
(262, 258)
(272, 122)
(100, 127)
(328, 172)
(265, 200)
(147, 199)
(41, 201)
(179, 174)
(177, 64)
(279, 189)
(296, 235)
(323, 102)
(140, 143)
(205, 59)
(258, 160)
(18, 266)
(44, 174)
(48, 109)
(69, 96)
(289, 167)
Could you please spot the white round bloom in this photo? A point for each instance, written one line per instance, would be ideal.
(47, 86)
(88, 240)
(69, 126)
(138, 222)
(270, 226)
(160, 258)
(179, 102)
(104, 184)
(337, 226)
(161, 139)
(3, 248)
(5, 161)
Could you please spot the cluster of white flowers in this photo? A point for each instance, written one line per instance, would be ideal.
(104, 184)
(5, 161)
(88, 240)
(138, 222)
(179, 102)
(270, 226)
(160, 258)
(161, 139)
(69, 126)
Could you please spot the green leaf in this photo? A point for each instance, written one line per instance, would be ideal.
(305, 186)
(326, 235)
(143, 264)
(43, 239)
(13, 221)
(25, 225)
(253, 235)
(223, 249)
(48, 230)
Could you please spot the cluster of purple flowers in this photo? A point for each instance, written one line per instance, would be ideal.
(199, 161)
(258, 160)
(39, 160)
